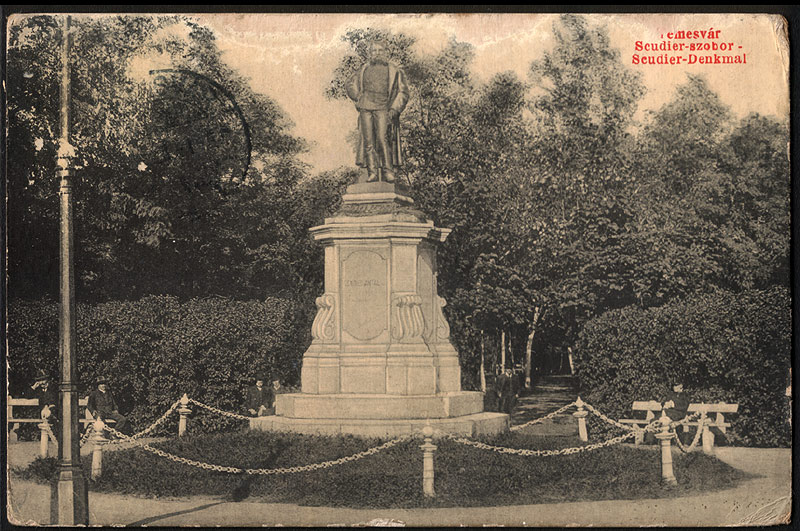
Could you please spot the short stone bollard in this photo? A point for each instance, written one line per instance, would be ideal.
(665, 436)
(708, 435)
(184, 411)
(98, 441)
(581, 415)
(428, 448)
(44, 432)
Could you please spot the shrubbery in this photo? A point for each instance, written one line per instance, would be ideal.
(731, 347)
(157, 348)
(392, 478)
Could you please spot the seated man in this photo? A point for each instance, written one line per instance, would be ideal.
(676, 405)
(102, 405)
(258, 400)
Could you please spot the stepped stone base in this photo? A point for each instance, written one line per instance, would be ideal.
(469, 425)
(378, 406)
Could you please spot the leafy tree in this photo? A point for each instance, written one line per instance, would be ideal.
(711, 199)
(164, 185)
(573, 211)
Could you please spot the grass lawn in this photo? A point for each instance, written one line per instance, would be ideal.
(465, 476)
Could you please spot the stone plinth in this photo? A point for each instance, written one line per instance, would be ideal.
(470, 425)
(381, 353)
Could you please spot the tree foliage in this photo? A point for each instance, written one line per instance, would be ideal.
(176, 158)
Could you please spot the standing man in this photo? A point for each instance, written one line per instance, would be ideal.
(47, 395)
(102, 405)
(380, 93)
(507, 391)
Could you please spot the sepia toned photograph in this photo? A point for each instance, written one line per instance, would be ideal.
(398, 269)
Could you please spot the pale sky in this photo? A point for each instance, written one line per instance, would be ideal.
(291, 58)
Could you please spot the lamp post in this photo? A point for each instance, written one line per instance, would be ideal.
(69, 503)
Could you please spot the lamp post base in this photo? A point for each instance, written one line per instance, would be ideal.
(69, 498)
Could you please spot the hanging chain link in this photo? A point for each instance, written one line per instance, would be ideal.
(611, 421)
(541, 453)
(328, 464)
(153, 425)
(542, 419)
(686, 449)
(260, 471)
(86, 434)
(219, 411)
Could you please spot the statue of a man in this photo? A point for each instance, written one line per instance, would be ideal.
(380, 92)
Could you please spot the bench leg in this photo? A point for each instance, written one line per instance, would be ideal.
(12, 434)
(708, 441)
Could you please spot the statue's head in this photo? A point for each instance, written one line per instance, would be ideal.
(378, 52)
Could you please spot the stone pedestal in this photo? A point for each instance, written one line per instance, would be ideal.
(381, 353)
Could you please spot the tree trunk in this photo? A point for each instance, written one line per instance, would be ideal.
(483, 367)
(529, 347)
(503, 351)
(571, 365)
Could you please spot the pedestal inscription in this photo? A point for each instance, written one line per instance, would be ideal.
(364, 297)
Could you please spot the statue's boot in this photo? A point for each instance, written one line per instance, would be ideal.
(372, 168)
(388, 175)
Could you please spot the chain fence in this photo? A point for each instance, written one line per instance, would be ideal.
(262, 471)
(87, 434)
(686, 449)
(655, 425)
(540, 453)
(153, 426)
(599, 414)
(542, 419)
(219, 411)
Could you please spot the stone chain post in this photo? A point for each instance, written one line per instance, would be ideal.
(44, 429)
(184, 411)
(98, 441)
(427, 462)
(708, 435)
(665, 436)
(581, 416)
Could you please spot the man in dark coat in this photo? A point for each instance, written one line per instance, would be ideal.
(506, 388)
(102, 405)
(676, 405)
(258, 400)
(380, 93)
(47, 394)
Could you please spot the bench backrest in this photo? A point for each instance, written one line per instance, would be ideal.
(652, 407)
(721, 407)
(714, 408)
(12, 402)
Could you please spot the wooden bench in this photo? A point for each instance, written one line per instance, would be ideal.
(15, 422)
(652, 408)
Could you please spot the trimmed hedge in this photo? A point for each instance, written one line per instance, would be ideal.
(157, 348)
(731, 347)
(392, 478)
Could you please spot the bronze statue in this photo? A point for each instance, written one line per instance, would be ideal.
(380, 93)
